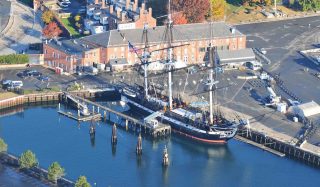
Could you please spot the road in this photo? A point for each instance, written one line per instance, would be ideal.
(23, 28)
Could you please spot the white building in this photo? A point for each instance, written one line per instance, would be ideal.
(307, 109)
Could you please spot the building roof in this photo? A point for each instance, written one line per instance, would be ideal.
(309, 109)
(72, 47)
(181, 33)
(240, 55)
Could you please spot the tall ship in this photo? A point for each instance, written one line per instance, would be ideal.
(209, 126)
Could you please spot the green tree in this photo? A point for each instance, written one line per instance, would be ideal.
(82, 182)
(47, 17)
(217, 9)
(28, 160)
(3, 146)
(55, 172)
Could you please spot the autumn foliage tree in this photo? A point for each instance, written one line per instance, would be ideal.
(179, 19)
(47, 16)
(52, 30)
(194, 10)
(217, 9)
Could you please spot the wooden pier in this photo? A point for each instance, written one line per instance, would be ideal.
(94, 117)
(261, 146)
(155, 131)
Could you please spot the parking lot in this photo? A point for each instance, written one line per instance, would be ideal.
(34, 82)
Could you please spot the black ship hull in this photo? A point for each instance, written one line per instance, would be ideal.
(179, 127)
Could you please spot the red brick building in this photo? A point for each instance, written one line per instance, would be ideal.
(111, 45)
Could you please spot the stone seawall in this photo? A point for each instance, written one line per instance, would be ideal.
(35, 172)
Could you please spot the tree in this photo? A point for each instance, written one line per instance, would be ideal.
(52, 30)
(179, 19)
(47, 17)
(82, 182)
(55, 172)
(217, 9)
(77, 18)
(28, 160)
(267, 2)
(3, 146)
(194, 10)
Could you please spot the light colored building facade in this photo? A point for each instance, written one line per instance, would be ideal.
(117, 14)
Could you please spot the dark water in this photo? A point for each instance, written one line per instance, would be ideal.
(57, 138)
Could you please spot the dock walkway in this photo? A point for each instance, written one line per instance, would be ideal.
(155, 131)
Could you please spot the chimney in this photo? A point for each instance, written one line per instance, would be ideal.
(123, 15)
(142, 9)
(135, 5)
(127, 4)
(103, 4)
(150, 12)
(118, 13)
(111, 9)
(143, 6)
(96, 2)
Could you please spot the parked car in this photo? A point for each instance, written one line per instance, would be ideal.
(43, 78)
(6, 82)
(29, 73)
(263, 51)
(16, 84)
(63, 4)
(34, 73)
(66, 1)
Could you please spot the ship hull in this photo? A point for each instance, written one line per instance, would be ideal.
(198, 135)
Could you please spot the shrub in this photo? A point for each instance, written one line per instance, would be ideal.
(14, 59)
(28, 160)
(55, 171)
(3, 146)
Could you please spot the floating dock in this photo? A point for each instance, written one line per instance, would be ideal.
(94, 117)
(134, 124)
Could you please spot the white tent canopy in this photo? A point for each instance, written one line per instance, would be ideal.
(307, 109)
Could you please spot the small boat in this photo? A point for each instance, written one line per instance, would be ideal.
(122, 103)
(84, 111)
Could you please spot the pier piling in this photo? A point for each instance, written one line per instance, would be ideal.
(165, 157)
(139, 145)
(114, 135)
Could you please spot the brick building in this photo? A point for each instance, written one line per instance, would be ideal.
(118, 14)
(112, 45)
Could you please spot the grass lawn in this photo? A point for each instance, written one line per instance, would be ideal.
(7, 95)
(70, 25)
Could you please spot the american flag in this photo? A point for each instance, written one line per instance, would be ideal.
(133, 49)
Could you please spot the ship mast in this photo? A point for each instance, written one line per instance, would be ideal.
(212, 83)
(145, 57)
(170, 53)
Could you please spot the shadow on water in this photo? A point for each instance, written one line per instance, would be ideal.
(197, 148)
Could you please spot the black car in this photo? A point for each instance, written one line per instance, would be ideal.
(29, 73)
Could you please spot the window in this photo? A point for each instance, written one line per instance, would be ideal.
(202, 49)
(45, 51)
(58, 55)
(53, 54)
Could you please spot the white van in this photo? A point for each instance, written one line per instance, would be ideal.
(16, 84)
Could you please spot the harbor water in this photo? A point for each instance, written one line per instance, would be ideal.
(57, 138)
